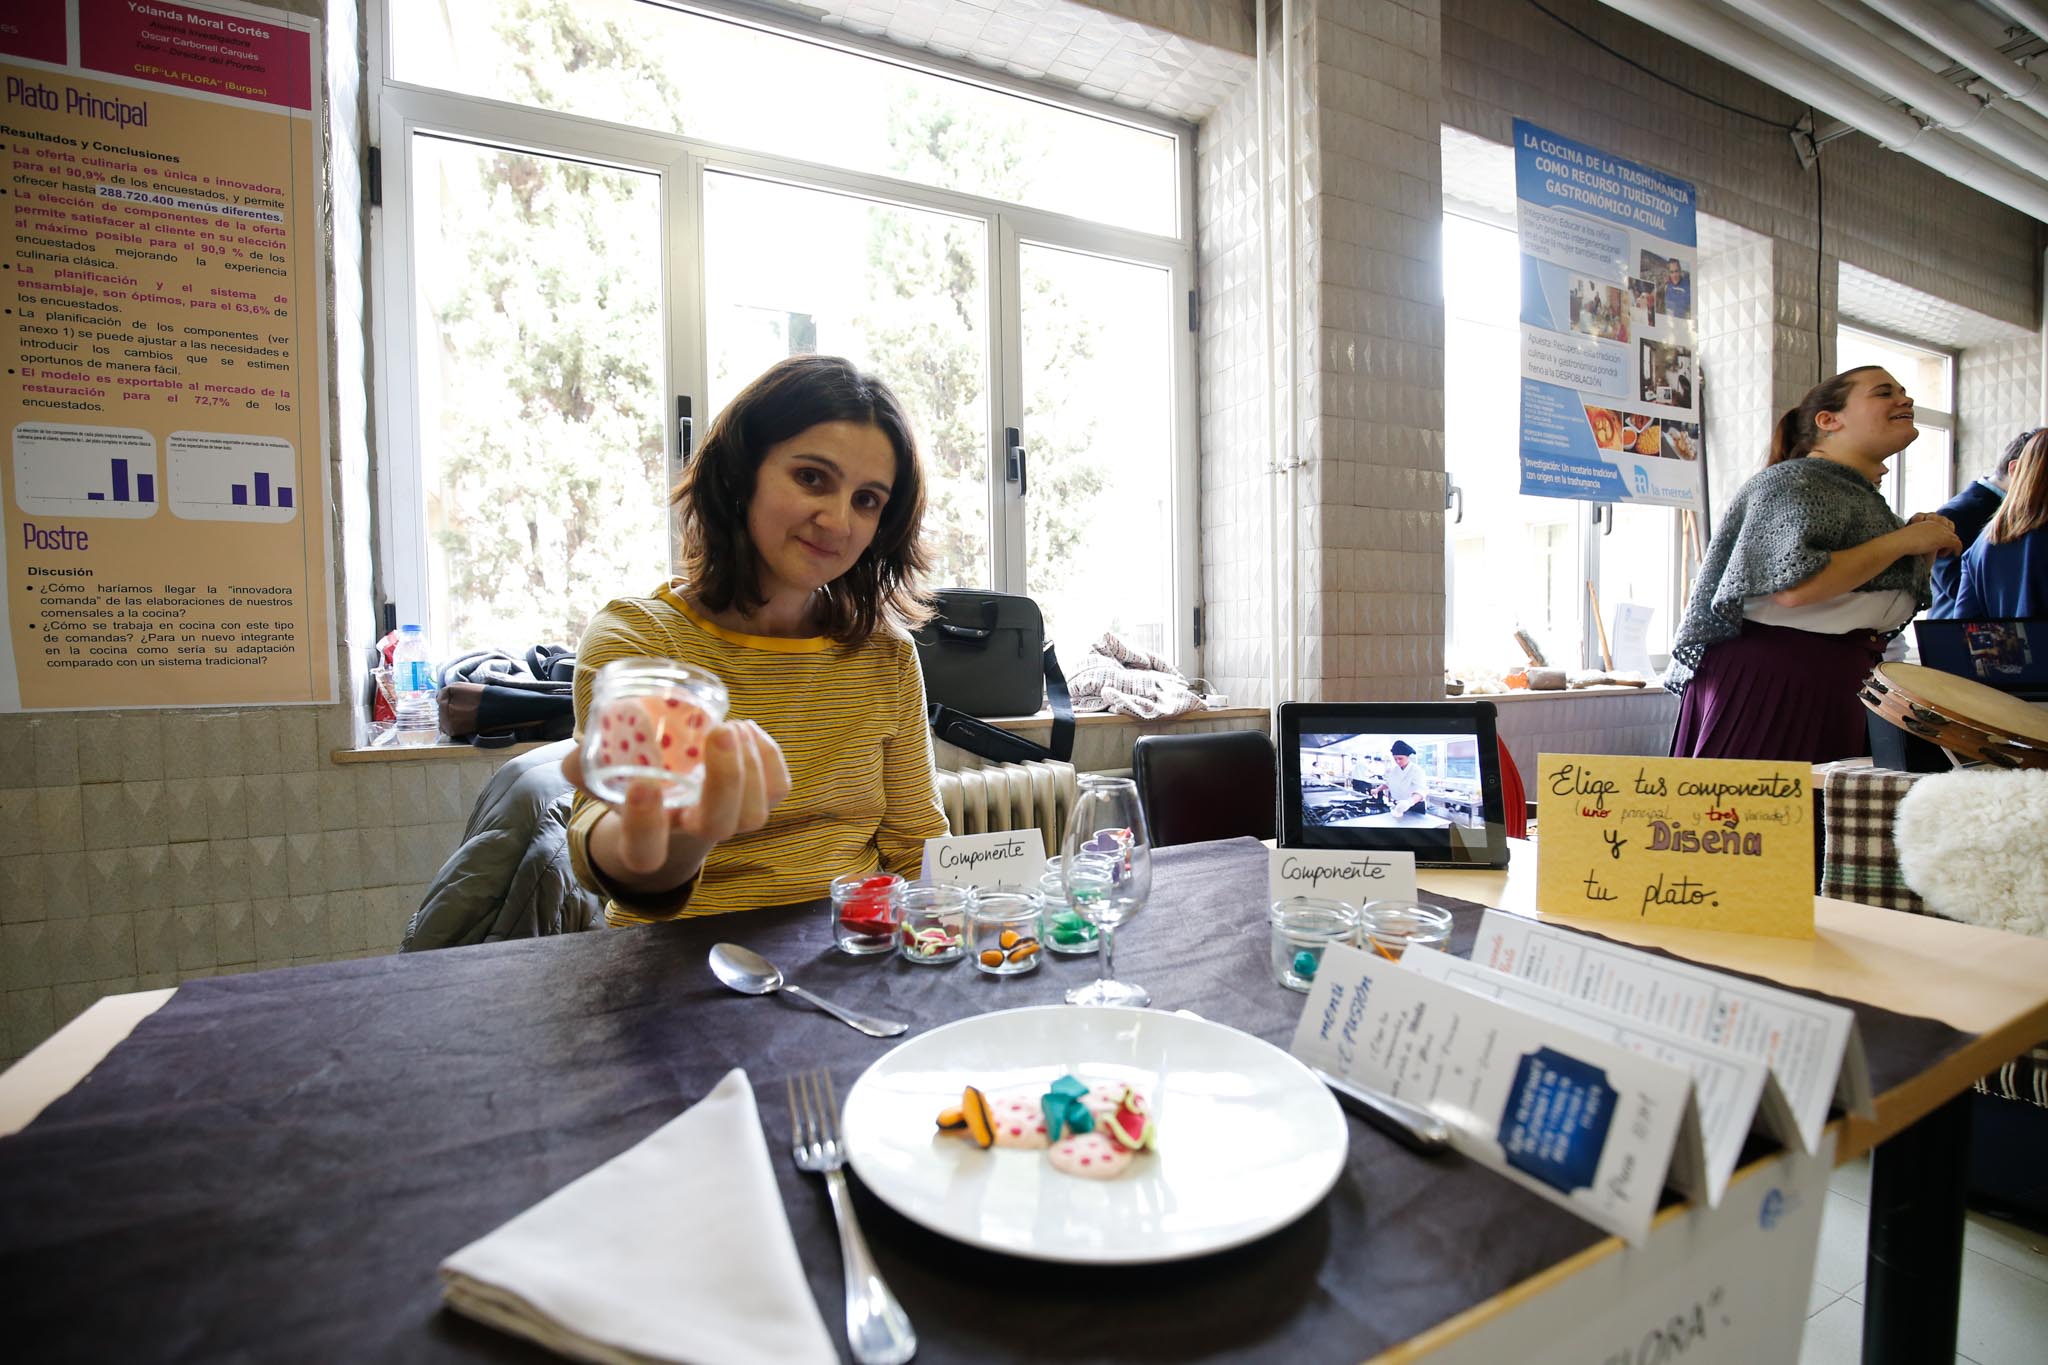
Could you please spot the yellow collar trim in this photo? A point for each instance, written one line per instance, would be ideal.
(773, 644)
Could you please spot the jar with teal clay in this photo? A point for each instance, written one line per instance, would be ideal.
(1303, 927)
(1067, 931)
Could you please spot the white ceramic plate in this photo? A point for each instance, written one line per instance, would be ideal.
(1248, 1139)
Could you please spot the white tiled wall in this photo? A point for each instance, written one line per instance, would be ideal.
(1884, 211)
(1237, 569)
(1998, 395)
(1373, 595)
(143, 848)
(1737, 303)
(1379, 76)
(140, 849)
(1173, 57)
(1887, 214)
(1368, 327)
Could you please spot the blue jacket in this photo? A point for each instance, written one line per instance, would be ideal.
(2001, 582)
(1971, 510)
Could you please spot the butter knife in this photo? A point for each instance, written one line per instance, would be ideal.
(1408, 1124)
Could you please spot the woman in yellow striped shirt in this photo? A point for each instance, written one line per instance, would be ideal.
(801, 518)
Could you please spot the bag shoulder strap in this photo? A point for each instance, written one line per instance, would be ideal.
(1062, 746)
(998, 745)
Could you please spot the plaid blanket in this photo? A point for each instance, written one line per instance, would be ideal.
(2024, 1078)
(1861, 863)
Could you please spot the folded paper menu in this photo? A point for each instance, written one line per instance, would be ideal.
(678, 1249)
(1583, 1122)
(1812, 1047)
(1736, 1095)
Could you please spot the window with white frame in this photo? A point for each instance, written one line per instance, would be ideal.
(1923, 474)
(1526, 563)
(600, 213)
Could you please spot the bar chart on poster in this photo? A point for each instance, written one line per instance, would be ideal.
(84, 471)
(232, 478)
(166, 481)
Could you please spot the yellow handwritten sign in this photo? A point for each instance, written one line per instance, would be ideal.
(1707, 843)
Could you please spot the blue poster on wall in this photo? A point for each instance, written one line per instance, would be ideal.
(1610, 360)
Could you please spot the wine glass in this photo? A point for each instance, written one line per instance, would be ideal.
(1107, 874)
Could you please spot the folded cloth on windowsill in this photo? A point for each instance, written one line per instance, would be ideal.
(1114, 676)
(677, 1249)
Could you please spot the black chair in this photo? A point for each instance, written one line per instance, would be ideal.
(1197, 787)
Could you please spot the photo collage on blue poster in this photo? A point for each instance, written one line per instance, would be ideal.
(1610, 358)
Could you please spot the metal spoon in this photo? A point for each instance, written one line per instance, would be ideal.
(747, 972)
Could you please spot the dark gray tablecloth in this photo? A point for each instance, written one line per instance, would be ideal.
(272, 1165)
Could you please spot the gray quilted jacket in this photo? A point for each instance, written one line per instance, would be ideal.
(510, 877)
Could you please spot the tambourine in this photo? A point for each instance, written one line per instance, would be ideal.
(1975, 723)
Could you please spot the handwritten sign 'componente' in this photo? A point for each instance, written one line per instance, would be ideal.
(1706, 843)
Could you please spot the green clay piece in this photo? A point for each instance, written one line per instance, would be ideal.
(1054, 1107)
(1071, 928)
(1070, 1087)
(1305, 965)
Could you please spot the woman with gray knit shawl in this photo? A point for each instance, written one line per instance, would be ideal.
(1808, 576)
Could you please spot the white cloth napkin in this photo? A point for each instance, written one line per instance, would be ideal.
(675, 1250)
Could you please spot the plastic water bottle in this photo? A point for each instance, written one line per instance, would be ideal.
(415, 699)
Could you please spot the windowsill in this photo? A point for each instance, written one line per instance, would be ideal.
(1043, 720)
(430, 753)
(427, 753)
(1527, 694)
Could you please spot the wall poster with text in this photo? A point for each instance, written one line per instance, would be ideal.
(1610, 359)
(165, 475)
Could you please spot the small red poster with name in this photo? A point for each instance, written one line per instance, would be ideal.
(197, 49)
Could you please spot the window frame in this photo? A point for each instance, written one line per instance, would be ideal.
(1592, 521)
(398, 111)
(1937, 419)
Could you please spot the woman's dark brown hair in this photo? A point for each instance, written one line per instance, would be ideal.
(790, 397)
(2026, 494)
(1797, 434)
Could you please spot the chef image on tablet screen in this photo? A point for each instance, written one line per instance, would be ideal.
(1406, 787)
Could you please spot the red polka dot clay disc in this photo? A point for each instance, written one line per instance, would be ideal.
(1092, 1156)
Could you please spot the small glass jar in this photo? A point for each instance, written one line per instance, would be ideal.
(1302, 928)
(1390, 928)
(1067, 931)
(867, 909)
(647, 723)
(1006, 930)
(934, 927)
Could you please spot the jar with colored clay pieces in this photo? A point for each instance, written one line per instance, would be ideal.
(1303, 927)
(1006, 931)
(1391, 928)
(1067, 931)
(934, 927)
(867, 908)
(648, 722)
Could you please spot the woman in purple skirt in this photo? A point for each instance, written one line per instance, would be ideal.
(1808, 576)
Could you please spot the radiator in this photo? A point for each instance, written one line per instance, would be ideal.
(1034, 795)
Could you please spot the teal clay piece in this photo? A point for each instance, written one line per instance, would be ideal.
(1305, 965)
(1070, 1087)
(1063, 1108)
(1069, 927)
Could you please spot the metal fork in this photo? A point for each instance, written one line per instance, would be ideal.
(876, 1326)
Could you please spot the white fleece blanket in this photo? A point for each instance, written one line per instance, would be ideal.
(1974, 844)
